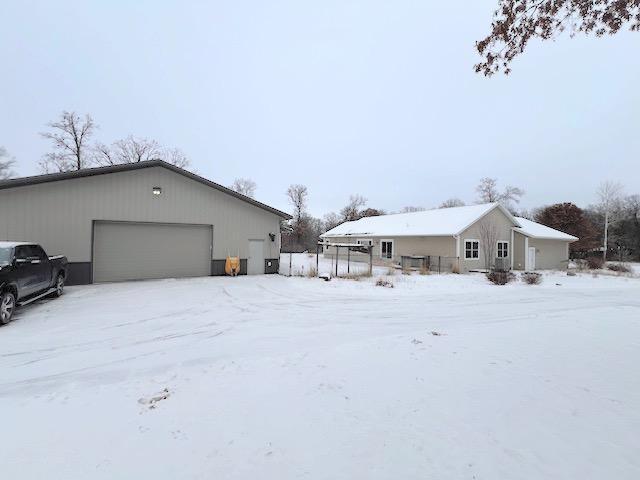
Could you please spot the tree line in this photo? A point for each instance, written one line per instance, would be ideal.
(73, 147)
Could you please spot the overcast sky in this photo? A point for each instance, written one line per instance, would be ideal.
(359, 96)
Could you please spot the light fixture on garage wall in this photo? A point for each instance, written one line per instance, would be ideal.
(157, 190)
(272, 236)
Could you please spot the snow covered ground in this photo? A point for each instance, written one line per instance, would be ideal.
(270, 377)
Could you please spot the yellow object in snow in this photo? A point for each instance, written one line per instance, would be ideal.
(232, 266)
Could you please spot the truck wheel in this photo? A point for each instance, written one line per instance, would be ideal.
(7, 307)
(59, 286)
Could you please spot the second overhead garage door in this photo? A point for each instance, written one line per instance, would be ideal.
(136, 251)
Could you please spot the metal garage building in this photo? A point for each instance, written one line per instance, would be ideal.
(140, 221)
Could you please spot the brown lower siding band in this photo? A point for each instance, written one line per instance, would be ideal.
(80, 273)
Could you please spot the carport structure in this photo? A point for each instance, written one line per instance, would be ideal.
(365, 251)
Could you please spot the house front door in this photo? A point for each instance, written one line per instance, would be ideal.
(531, 264)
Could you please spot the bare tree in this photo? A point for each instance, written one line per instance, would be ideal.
(488, 232)
(488, 193)
(487, 190)
(627, 228)
(516, 22)
(411, 209)
(6, 163)
(70, 136)
(103, 155)
(528, 214)
(511, 194)
(331, 220)
(452, 202)
(127, 150)
(245, 186)
(134, 150)
(351, 210)
(175, 156)
(297, 195)
(371, 212)
(609, 195)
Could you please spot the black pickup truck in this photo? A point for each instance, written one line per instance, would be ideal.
(27, 273)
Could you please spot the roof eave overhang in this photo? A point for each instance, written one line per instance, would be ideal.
(526, 234)
(325, 235)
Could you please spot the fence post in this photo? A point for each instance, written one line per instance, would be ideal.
(337, 256)
(348, 260)
(290, 261)
(331, 269)
(439, 263)
(317, 260)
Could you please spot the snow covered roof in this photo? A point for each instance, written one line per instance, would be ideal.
(537, 230)
(429, 223)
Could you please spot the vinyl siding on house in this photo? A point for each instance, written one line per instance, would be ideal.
(503, 226)
(422, 246)
(518, 251)
(550, 254)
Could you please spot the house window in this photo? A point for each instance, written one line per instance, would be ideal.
(364, 241)
(386, 249)
(471, 249)
(503, 249)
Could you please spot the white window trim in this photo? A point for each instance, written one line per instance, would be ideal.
(498, 248)
(393, 247)
(370, 240)
(464, 249)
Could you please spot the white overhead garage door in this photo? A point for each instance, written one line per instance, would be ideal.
(136, 251)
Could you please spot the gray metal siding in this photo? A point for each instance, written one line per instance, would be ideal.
(60, 214)
(134, 251)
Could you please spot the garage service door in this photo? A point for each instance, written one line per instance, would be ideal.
(136, 251)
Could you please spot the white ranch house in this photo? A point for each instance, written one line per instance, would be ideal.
(456, 236)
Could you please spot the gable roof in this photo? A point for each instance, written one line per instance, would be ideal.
(429, 223)
(90, 172)
(537, 230)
